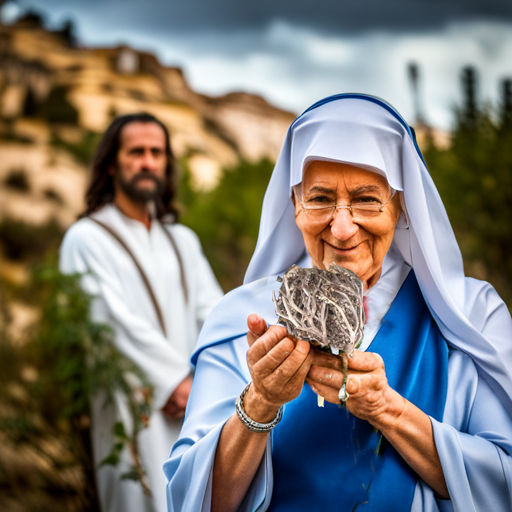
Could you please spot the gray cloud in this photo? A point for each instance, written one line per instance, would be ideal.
(342, 17)
(294, 52)
(310, 65)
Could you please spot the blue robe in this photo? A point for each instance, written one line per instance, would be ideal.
(314, 448)
(472, 430)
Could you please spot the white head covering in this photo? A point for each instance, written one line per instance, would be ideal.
(366, 131)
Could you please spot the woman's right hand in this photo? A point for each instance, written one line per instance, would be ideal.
(278, 367)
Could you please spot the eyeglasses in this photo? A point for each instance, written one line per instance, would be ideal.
(319, 210)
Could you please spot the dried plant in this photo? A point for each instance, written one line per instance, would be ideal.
(324, 307)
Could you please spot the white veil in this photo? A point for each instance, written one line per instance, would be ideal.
(368, 132)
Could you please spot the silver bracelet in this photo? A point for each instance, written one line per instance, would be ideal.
(250, 424)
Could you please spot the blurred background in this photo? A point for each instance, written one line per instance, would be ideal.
(227, 78)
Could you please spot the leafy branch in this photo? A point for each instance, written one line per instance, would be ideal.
(49, 377)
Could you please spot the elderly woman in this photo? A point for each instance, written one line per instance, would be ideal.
(428, 422)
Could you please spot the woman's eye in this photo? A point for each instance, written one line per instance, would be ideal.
(366, 200)
(319, 200)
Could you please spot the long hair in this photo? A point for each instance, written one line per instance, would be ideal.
(101, 188)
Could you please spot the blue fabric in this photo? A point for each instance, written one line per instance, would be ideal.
(326, 459)
(229, 320)
(473, 439)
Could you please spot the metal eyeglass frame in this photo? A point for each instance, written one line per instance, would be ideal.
(337, 206)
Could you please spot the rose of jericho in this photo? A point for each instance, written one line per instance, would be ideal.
(324, 307)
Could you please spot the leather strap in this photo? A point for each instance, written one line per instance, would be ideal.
(180, 262)
(143, 274)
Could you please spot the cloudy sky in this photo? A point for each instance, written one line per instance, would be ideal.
(294, 52)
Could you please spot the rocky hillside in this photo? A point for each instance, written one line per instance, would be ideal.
(54, 96)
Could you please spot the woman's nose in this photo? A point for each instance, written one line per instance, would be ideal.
(342, 225)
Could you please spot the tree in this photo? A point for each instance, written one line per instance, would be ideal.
(227, 218)
(474, 178)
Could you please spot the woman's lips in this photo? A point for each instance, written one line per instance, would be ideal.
(343, 250)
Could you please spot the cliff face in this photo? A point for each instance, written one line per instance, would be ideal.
(55, 98)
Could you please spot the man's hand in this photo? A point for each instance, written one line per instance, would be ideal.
(175, 406)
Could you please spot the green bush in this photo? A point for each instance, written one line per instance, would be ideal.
(21, 241)
(227, 218)
(84, 150)
(47, 380)
(474, 178)
(56, 108)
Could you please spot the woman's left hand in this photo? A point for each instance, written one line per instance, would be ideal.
(370, 396)
(372, 399)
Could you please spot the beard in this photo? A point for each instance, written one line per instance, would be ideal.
(141, 194)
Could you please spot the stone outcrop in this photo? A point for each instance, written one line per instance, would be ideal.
(54, 95)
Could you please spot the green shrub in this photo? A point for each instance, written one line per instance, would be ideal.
(21, 241)
(227, 218)
(47, 380)
(84, 150)
(474, 179)
(56, 108)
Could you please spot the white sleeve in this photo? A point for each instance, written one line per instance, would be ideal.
(204, 285)
(474, 443)
(221, 375)
(83, 252)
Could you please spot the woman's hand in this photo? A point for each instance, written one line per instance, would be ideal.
(278, 367)
(370, 396)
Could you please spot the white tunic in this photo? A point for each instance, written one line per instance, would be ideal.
(122, 301)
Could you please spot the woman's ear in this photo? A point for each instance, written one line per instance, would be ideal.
(403, 219)
(296, 191)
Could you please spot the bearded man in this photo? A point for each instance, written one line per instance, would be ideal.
(152, 284)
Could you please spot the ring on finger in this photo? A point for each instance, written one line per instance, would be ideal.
(343, 395)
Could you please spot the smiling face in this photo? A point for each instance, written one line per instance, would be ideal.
(357, 244)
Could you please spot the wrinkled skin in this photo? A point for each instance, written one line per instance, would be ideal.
(360, 247)
(277, 364)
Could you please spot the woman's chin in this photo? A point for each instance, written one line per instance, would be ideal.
(364, 272)
(354, 260)
(355, 266)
